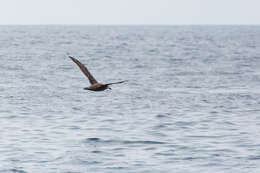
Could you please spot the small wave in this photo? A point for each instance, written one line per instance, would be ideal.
(116, 167)
(93, 139)
(254, 158)
(143, 142)
(161, 116)
(98, 140)
(13, 171)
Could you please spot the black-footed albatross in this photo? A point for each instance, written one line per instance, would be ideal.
(95, 85)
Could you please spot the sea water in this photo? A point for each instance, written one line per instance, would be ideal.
(191, 103)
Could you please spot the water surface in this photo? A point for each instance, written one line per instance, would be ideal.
(192, 102)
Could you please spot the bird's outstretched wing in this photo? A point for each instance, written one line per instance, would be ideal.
(117, 82)
(84, 69)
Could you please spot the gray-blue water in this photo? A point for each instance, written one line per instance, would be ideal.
(191, 103)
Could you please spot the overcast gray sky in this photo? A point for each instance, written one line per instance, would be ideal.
(167, 12)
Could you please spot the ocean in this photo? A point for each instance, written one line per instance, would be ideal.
(191, 103)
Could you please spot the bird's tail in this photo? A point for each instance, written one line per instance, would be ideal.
(117, 82)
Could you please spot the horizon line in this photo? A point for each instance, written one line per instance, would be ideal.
(52, 24)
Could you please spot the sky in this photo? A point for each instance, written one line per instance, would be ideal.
(130, 12)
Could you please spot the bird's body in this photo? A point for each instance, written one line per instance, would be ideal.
(95, 86)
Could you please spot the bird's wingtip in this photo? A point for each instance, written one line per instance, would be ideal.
(70, 57)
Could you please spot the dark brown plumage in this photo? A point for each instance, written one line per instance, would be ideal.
(95, 86)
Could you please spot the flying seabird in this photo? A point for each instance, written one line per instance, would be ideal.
(95, 85)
